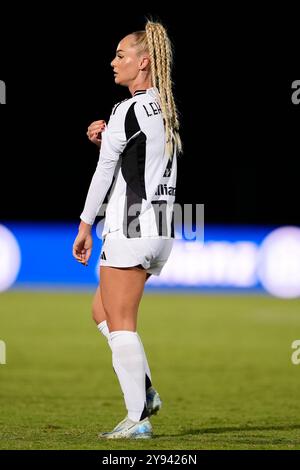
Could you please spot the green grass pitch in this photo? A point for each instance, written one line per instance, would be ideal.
(222, 365)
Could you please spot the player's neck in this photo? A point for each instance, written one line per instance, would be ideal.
(140, 85)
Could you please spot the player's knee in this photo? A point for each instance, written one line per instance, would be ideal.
(94, 314)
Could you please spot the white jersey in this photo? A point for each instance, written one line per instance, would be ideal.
(133, 164)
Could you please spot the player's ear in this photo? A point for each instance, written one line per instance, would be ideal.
(144, 62)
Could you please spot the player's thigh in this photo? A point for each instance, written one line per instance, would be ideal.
(98, 311)
(121, 292)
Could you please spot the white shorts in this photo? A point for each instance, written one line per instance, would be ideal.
(150, 253)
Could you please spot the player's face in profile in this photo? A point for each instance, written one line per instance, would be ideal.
(126, 63)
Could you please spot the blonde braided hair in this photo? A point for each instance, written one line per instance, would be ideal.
(156, 42)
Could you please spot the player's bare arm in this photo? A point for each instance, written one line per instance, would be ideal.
(82, 247)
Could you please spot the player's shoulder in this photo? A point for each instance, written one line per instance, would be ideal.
(145, 96)
(122, 106)
(139, 97)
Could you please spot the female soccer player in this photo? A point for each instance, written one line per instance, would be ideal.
(137, 162)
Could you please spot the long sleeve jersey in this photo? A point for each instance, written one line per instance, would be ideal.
(133, 164)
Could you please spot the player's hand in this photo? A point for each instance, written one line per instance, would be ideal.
(82, 247)
(94, 131)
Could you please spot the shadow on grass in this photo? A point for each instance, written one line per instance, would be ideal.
(221, 430)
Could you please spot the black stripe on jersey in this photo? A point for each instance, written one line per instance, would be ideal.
(160, 210)
(168, 169)
(132, 210)
(134, 155)
(133, 171)
(131, 123)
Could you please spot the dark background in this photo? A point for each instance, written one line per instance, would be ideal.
(233, 88)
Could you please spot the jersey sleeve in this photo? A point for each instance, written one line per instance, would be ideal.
(113, 144)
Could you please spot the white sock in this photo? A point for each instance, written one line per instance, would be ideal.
(128, 363)
(103, 328)
(146, 365)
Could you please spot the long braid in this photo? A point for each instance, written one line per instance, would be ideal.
(162, 85)
(150, 43)
(170, 97)
(157, 42)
